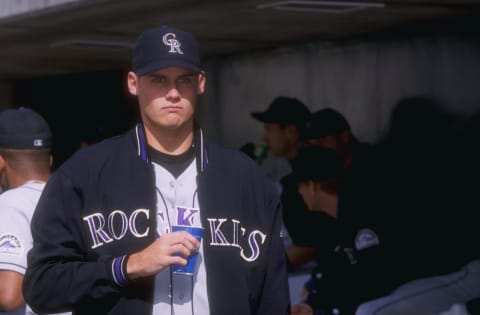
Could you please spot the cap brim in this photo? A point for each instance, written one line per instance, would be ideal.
(155, 66)
(26, 142)
(263, 117)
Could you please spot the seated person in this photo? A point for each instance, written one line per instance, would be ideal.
(354, 251)
(368, 269)
(330, 129)
(283, 122)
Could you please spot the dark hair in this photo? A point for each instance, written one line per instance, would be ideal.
(24, 161)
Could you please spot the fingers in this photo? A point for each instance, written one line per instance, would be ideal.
(168, 249)
(177, 260)
(174, 244)
(295, 310)
(182, 250)
(183, 243)
(301, 309)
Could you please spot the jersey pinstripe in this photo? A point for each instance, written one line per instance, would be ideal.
(176, 202)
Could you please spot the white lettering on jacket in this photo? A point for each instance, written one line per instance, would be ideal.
(102, 231)
(102, 234)
(254, 239)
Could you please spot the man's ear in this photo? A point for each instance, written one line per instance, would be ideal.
(202, 80)
(2, 162)
(132, 83)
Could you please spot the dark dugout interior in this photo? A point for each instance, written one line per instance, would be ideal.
(80, 108)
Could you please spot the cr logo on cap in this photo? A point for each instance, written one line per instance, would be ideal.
(37, 142)
(169, 39)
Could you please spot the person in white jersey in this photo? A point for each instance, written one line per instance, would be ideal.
(103, 240)
(25, 160)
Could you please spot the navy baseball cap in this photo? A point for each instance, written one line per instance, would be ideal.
(325, 122)
(23, 128)
(284, 110)
(163, 47)
(317, 163)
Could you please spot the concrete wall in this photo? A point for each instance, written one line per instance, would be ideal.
(10, 8)
(362, 79)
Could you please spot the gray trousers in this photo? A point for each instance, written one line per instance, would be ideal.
(429, 296)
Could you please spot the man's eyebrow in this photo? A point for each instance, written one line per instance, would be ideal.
(154, 75)
(190, 74)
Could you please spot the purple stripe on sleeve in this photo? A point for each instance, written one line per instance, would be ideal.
(118, 275)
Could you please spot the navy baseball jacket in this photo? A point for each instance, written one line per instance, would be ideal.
(101, 204)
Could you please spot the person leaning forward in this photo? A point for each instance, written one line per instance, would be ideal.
(102, 229)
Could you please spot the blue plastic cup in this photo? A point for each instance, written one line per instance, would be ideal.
(197, 232)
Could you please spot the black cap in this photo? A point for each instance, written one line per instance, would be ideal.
(325, 122)
(284, 110)
(23, 128)
(163, 47)
(317, 163)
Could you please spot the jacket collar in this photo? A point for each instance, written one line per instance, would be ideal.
(200, 146)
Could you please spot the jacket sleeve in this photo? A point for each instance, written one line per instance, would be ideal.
(275, 297)
(60, 272)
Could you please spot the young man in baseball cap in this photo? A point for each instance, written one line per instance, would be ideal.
(103, 227)
(25, 141)
(283, 121)
(329, 128)
(283, 124)
(25, 160)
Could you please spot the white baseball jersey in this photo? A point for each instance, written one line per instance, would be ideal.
(16, 210)
(177, 204)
